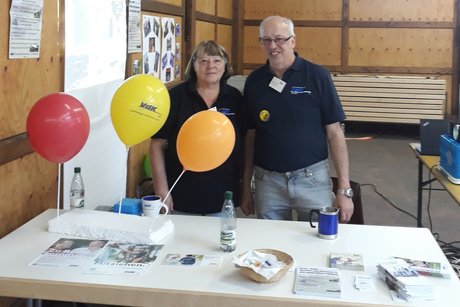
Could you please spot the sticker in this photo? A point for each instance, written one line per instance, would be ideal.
(277, 84)
(264, 115)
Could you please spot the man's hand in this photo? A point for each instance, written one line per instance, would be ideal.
(346, 207)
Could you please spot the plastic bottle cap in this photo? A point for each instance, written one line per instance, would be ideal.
(77, 170)
(228, 195)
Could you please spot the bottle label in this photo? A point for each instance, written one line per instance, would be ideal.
(77, 203)
(228, 240)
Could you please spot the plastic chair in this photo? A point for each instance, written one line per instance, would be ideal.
(357, 217)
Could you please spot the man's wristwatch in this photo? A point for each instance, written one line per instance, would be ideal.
(347, 192)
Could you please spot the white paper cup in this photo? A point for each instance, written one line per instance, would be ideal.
(152, 205)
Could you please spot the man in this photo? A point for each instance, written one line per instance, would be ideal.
(294, 113)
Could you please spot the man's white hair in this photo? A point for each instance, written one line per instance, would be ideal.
(286, 21)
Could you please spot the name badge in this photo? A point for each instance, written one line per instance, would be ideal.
(277, 84)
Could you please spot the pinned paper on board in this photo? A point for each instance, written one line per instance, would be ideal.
(168, 49)
(151, 45)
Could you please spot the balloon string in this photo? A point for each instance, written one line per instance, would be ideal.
(167, 195)
(58, 202)
(125, 171)
(170, 190)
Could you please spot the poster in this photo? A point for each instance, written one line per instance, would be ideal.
(168, 49)
(134, 26)
(25, 28)
(151, 45)
(95, 65)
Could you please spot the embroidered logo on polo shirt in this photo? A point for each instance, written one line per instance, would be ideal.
(226, 111)
(264, 115)
(299, 90)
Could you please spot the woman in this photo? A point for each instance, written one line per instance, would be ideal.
(62, 245)
(200, 193)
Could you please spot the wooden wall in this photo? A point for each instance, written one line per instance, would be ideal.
(214, 21)
(28, 183)
(384, 37)
(407, 37)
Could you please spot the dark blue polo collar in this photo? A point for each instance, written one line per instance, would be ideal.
(295, 66)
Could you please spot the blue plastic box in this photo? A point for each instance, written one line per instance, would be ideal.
(129, 206)
(449, 158)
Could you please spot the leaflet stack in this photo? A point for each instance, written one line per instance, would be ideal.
(405, 281)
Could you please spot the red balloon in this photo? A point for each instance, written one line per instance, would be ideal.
(58, 127)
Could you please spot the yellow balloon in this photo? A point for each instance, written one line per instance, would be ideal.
(140, 107)
(205, 141)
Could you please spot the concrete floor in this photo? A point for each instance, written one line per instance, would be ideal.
(386, 161)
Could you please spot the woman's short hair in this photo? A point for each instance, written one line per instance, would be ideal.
(211, 48)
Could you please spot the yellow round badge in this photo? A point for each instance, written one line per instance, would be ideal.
(264, 115)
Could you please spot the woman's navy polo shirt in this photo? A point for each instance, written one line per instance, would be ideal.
(290, 126)
(202, 192)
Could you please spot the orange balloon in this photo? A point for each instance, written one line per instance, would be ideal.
(205, 141)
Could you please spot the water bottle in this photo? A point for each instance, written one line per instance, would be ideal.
(77, 190)
(228, 224)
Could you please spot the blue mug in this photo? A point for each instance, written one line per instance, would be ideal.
(328, 222)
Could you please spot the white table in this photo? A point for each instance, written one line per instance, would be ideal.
(223, 286)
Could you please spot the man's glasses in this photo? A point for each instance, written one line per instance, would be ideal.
(276, 40)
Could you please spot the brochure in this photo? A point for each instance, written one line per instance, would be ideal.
(99, 256)
(70, 252)
(402, 278)
(346, 261)
(317, 281)
(125, 258)
(428, 268)
(192, 260)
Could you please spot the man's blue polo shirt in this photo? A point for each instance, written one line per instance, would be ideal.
(291, 125)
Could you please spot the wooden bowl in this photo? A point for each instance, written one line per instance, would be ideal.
(281, 256)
